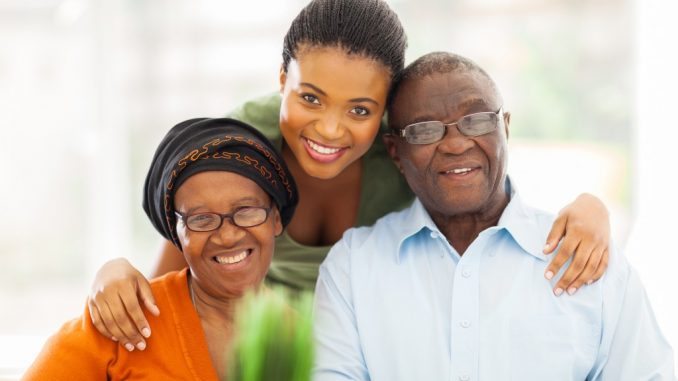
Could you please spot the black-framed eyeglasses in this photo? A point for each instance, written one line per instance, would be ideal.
(477, 124)
(244, 217)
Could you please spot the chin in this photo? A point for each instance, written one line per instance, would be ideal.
(323, 171)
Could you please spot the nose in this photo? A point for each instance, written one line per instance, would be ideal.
(228, 234)
(329, 126)
(454, 142)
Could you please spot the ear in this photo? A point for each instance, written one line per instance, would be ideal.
(391, 143)
(282, 78)
(277, 222)
(507, 121)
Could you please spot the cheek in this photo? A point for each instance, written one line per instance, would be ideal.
(191, 242)
(418, 157)
(293, 117)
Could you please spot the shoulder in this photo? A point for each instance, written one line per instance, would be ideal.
(368, 243)
(170, 286)
(263, 113)
(76, 351)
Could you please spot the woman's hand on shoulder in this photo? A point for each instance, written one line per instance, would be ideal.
(583, 230)
(114, 304)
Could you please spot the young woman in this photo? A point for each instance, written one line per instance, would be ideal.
(219, 191)
(339, 57)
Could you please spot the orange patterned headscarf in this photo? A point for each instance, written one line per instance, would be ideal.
(220, 144)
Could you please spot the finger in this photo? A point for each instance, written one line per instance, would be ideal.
(112, 327)
(602, 267)
(146, 296)
(130, 334)
(97, 321)
(135, 313)
(588, 271)
(576, 267)
(555, 235)
(566, 250)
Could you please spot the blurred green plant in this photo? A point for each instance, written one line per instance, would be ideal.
(274, 338)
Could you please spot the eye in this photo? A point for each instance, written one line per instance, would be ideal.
(310, 98)
(202, 220)
(360, 111)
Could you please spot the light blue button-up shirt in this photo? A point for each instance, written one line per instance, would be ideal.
(396, 302)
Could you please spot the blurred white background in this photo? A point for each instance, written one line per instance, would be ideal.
(87, 89)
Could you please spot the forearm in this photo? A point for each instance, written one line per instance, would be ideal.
(171, 259)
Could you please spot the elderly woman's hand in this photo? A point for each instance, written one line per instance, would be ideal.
(584, 228)
(114, 304)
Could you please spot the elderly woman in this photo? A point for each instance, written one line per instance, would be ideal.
(219, 191)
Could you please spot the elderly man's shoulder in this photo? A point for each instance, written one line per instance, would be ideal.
(370, 242)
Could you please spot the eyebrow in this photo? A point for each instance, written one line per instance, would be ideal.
(353, 100)
(244, 201)
(314, 87)
(467, 105)
(471, 103)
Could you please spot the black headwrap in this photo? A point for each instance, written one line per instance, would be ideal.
(223, 144)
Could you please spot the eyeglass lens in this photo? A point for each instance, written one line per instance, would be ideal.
(243, 217)
(470, 125)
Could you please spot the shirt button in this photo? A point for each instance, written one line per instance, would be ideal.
(465, 324)
(466, 273)
(464, 377)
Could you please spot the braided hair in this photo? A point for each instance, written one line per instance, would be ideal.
(369, 28)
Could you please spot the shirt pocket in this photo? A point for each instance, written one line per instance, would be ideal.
(551, 347)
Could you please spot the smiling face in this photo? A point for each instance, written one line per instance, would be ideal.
(332, 104)
(458, 175)
(227, 261)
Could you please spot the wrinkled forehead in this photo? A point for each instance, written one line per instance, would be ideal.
(444, 96)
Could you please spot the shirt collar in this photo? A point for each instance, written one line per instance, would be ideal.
(518, 220)
(524, 225)
(416, 221)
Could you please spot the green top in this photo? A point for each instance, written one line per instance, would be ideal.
(383, 190)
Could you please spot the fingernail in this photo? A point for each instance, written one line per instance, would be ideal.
(146, 332)
(129, 347)
(114, 338)
(141, 345)
(590, 282)
(549, 275)
(546, 247)
(558, 291)
(571, 290)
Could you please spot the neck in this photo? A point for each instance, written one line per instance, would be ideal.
(462, 229)
(211, 310)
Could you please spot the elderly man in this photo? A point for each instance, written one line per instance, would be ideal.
(452, 288)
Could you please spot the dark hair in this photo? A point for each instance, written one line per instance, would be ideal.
(434, 63)
(364, 27)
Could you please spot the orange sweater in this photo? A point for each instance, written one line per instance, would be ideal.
(177, 349)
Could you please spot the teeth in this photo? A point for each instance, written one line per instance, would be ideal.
(459, 170)
(323, 150)
(232, 259)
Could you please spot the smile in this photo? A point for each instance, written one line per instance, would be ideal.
(321, 149)
(232, 259)
(458, 171)
(323, 153)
